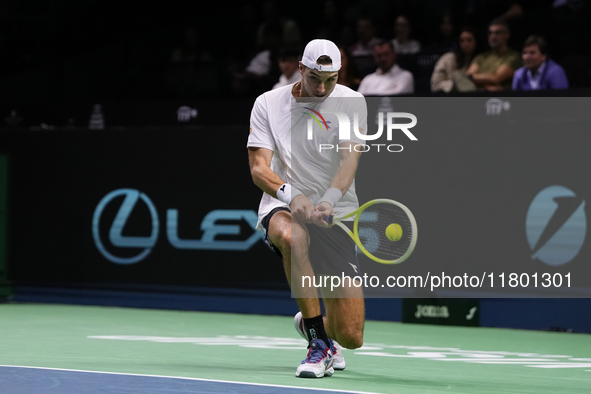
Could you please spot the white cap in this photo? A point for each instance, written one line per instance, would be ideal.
(317, 48)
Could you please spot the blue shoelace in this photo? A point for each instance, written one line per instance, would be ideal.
(316, 353)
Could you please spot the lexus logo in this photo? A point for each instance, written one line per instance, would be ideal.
(117, 239)
(214, 226)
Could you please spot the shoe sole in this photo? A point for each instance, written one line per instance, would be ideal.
(309, 374)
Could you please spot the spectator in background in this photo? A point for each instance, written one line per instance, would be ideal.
(453, 62)
(362, 50)
(479, 12)
(348, 75)
(494, 69)
(538, 71)
(263, 61)
(403, 44)
(289, 64)
(263, 71)
(290, 31)
(389, 78)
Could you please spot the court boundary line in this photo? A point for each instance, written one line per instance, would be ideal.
(197, 379)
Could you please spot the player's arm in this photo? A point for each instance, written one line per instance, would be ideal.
(347, 167)
(268, 181)
(260, 170)
(341, 181)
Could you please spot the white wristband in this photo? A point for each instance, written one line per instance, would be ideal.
(332, 196)
(286, 193)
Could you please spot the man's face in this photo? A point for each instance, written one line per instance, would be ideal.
(384, 56)
(317, 83)
(497, 36)
(288, 65)
(532, 57)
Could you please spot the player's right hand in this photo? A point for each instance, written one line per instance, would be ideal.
(301, 209)
(321, 213)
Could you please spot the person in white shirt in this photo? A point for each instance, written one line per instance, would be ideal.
(262, 71)
(289, 63)
(389, 78)
(302, 186)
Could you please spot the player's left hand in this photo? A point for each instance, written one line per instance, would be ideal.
(321, 212)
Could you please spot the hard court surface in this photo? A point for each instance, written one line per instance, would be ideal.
(59, 349)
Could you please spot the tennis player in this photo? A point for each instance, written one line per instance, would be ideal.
(302, 186)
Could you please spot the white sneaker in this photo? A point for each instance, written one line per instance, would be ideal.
(339, 360)
(339, 363)
(318, 362)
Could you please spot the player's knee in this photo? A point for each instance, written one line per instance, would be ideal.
(283, 241)
(287, 239)
(351, 339)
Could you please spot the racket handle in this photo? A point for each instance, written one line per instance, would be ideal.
(328, 219)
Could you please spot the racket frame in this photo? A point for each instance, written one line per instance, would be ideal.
(355, 234)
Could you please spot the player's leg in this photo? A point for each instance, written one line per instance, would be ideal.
(345, 317)
(334, 253)
(344, 321)
(291, 239)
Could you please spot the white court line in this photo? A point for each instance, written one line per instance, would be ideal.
(198, 379)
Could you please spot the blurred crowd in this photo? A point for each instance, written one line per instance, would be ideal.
(402, 47)
(243, 48)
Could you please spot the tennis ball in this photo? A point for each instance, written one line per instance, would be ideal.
(394, 232)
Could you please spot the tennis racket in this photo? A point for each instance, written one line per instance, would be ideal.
(384, 230)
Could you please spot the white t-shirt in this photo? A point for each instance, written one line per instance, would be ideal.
(283, 80)
(277, 120)
(394, 81)
(260, 64)
(409, 47)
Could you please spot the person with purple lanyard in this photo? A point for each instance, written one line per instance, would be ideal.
(538, 71)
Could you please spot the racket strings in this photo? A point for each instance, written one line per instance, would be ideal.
(372, 225)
